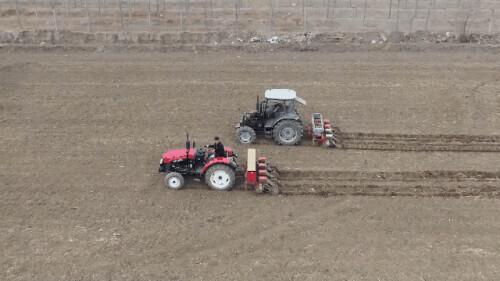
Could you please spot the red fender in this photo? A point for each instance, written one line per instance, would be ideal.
(217, 160)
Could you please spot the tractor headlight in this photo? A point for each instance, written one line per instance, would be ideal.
(161, 161)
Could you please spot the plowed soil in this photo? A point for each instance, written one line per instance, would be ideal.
(81, 135)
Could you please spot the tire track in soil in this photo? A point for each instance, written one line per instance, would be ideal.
(424, 183)
(407, 142)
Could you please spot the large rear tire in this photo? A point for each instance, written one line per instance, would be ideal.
(246, 135)
(288, 132)
(174, 180)
(220, 177)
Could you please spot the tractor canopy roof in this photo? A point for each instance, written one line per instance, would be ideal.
(283, 94)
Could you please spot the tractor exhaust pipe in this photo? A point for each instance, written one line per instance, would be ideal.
(188, 145)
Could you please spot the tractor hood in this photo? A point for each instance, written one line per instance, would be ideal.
(180, 154)
(177, 154)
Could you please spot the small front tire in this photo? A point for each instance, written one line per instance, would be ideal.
(174, 180)
(246, 135)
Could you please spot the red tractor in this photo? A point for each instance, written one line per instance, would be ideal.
(219, 172)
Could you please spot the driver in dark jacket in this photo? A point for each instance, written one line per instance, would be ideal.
(218, 147)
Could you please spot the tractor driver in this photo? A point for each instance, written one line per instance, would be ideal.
(218, 148)
(275, 108)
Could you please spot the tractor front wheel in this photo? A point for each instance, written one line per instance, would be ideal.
(220, 177)
(174, 180)
(245, 135)
(288, 132)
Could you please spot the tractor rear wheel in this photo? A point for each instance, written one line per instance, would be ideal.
(246, 135)
(220, 177)
(288, 132)
(174, 180)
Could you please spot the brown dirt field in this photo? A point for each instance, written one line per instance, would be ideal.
(81, 135)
